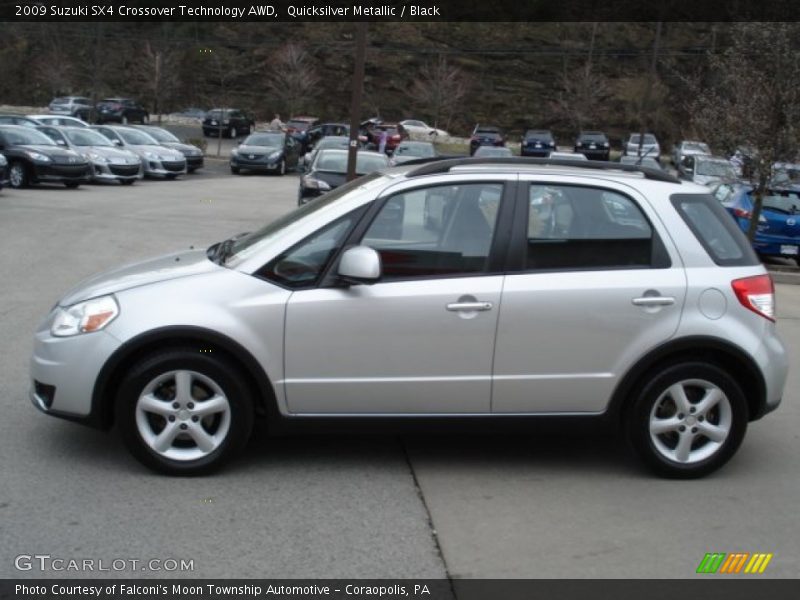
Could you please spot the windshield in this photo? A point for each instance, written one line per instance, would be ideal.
(697, 147)
(784, 203)
(593, 137)
(542, 135)
(264, 139)
(86, 137)
(786, 175)
(136, 138)
(215, 114)
(162, 135)
(649, 138)
(27, 136)
(300, 125)
(714, 168)
(333, 142)
(335, 161)
(424, 150)
(253, 242)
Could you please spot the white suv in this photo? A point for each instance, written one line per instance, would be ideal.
(478, 290)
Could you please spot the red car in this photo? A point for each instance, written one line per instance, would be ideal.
(395, 133)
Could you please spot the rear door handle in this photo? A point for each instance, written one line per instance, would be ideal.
(469, 306)
(654, 301)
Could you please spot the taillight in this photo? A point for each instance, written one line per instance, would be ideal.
(741, 213)
(756, 294)
(395, 137)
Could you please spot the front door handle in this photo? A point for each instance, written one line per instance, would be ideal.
(469, 306)
(654, 301)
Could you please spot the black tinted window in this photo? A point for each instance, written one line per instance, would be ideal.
(571, 227)
(715, 229)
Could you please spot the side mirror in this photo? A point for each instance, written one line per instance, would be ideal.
(117, 143)
(360, 264)
(61, 142)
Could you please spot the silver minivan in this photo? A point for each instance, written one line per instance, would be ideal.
(479, 290)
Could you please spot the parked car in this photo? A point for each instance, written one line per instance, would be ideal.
(706, 170)
(329, 141)
(35, 158)
(643, 161)
(228, 122)
(408, 150)
(395, 133)
(266, 151)
(347, 307)
(107, 162)
(58, 121)
(18, 120)
(120, 110)
(421, 130)
(494, 151)
(298, 128)
(193, 155)
(72, 106)
(537, 142)
(157, 161)
(594, 145)
(329, 171)
(650, 146)
(3, 171)
(688, 148)
(778, 232)
(321, 130)
(486, 135)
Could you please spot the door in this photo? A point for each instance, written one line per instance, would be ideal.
(596, 290)
(421, 339)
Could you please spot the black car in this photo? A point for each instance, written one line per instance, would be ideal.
(329, 171)
(537, 142)
(266, 151)
(228, 122)
(486, 136)
(593, 145)
(35, 158)
(3, 171)
(121, 110)
(321, 130)
(18, 120)
(193, 154)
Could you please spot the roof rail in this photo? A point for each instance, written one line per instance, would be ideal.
(444, 164)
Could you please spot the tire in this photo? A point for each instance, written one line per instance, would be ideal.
(145, 119)
(71, 184)
(233, 132)
(235, 170)
(124, 119)
(282, 168)
(18, 175)
(665, 427)
(145, 410)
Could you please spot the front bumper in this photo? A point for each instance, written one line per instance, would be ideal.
(163, 168)
(194, 162)
(115, 172)
(533, 151)
(59, 173)
(64, 371)
(263, 165)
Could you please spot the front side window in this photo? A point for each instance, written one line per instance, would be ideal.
(437, 231)
(573, 227)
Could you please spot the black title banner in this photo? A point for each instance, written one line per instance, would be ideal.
(394, 10)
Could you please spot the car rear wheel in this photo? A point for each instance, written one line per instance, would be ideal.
(235, 170)
(688, 420)
(18, 175)
(71, 184)
(184, 412)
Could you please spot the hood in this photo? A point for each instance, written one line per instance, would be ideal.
(243, 149)
(159, 150)
(186, 149)
(162, 268)
(332, 179)
(57, 153)
(116, 155)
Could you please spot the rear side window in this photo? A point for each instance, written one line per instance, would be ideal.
(714, 228)
(575, 227)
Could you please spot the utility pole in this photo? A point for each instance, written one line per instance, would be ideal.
(355, 105)
(650, 81)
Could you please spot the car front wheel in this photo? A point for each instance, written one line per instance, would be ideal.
(18, 175)
(184, 411)
(688, 420)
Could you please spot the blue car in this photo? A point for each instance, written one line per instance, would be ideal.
(778, 231)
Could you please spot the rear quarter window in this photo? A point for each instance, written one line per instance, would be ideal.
(715, 229)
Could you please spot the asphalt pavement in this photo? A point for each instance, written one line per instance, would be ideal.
(348, 506)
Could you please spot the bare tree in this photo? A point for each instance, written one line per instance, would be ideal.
(222, 71)
(439, 89)
(583, 93)
(749, 98)
(293, 81)
(155, 73)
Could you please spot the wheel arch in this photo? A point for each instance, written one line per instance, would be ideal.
(134, 350)
(711, 350)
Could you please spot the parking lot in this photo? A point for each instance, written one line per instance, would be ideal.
(521, 506)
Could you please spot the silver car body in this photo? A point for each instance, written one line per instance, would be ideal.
(70, 105)
(708, 170)
(157, 160)
(391, 349)
(649, 146)
(689, 148)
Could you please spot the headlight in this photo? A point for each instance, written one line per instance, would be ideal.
(315, 184)
(234, 152)
(151, 156)
(97, 158)
(85, 317)
(38, 156)
(275, 155)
